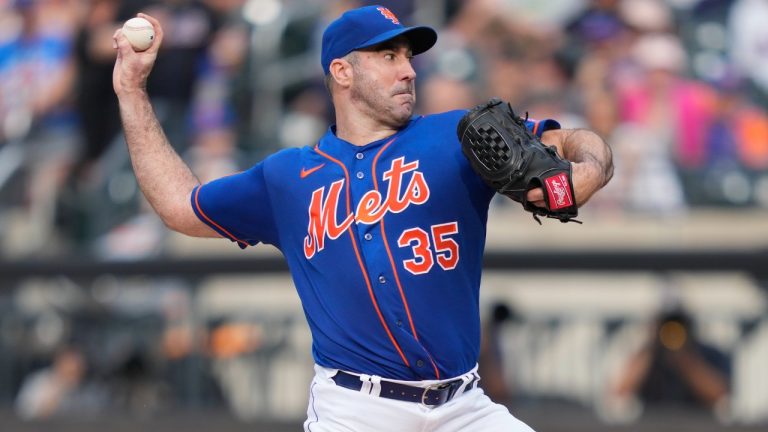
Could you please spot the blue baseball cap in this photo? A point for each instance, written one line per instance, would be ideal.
(367, 26)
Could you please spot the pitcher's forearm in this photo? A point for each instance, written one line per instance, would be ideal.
(591, 159)
(586, 147)
(163, 177)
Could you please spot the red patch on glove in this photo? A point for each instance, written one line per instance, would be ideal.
(559, 192)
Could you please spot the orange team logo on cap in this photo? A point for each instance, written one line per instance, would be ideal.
(388, 15)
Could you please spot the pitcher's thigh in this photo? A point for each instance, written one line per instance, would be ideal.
(476, 412)
(336, 409)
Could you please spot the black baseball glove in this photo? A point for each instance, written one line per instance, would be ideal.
(512, 160)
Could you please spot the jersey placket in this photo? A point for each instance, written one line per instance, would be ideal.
(367, 234)
(378, 254)
(372, 248)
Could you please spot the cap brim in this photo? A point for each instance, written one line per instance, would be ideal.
(421, 38)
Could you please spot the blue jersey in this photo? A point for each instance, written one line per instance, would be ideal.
(384, 243)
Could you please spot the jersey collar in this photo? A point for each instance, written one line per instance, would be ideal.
(336, 146)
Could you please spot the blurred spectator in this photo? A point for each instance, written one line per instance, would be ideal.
(674, 368)
(506, 78)
(97, 107)
(647, 16)
(36, 80)
(215, 114)
(97, 113)
(491, 361)
(242, 352)
(442, 93)
(61, 389)
(666, 117)
(189, 27)
(135, 387)
(749, 49)
(306, 117)
(594, 42)
(735, 150)
(703, 28)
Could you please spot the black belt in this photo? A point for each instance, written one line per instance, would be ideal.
(432, 396)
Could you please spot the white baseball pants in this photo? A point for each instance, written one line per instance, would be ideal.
(336, 409)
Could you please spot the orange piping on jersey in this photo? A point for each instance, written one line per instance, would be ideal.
(535, 127)
(386, 243)
(431, 360)
(360, 260)
(200, 209)
(392, 260)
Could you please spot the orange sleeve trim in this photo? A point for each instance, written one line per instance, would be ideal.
(211, 222)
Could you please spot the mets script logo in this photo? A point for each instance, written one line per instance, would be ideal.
(389, 15)
(372, 207)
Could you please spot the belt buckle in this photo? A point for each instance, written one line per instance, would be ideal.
(424, 396)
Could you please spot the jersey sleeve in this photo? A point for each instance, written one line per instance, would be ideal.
(238, 207)
(538, 127)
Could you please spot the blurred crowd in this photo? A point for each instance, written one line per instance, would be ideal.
(671, 367)
(677, 87)
(65, 181)
(128, 347)
(143, 348)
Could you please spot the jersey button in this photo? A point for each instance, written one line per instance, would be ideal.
(420, 363)
(399, 323)
(368, 236)
(382, 279)
(360, 175)
(359, 155)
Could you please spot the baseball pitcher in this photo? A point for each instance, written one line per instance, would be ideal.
(382, 222)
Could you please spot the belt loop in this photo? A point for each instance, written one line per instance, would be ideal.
(375, 385)
(466, 380)
(366, 387)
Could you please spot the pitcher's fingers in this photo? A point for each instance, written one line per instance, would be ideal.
(158, 31)
(536, 194)
(114, 38)
(123, 46)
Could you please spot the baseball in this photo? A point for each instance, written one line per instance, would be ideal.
(139, 33)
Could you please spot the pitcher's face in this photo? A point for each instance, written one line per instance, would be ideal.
(384, 82)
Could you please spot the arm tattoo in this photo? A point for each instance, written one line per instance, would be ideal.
(584, 146)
